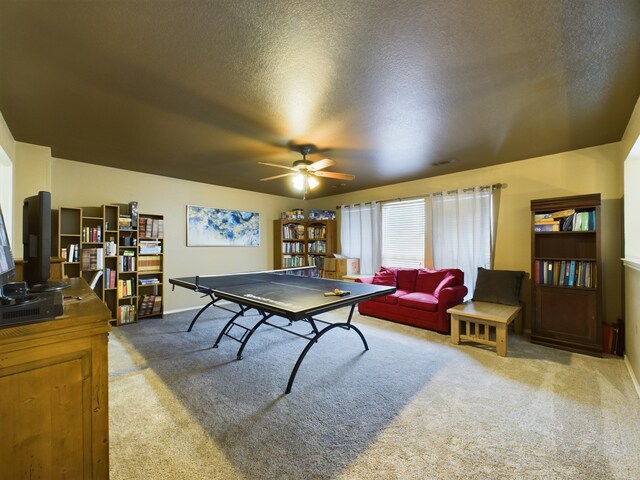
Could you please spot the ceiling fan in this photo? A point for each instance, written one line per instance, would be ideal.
(304, 171)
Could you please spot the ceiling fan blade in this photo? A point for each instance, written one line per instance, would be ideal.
(339, 176)
(320, 164)
(276, 165)
(276, 176)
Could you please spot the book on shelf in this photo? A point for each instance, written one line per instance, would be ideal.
(563, 213)
(127, 261)
(109, 278)
(110, 249)
(125, 288)
(553, 226)
(72, 253)
(94, 279)
(566, 273)
(92, 258)
(150, 247)
(151, 227)
(150, 305)
(92, 234)
(126, 314)
(149, 263)
(293, 231)
(545, 221)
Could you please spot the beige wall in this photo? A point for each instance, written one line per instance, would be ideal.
(7, 154)
(32, 173)
(592, 170)
(630, 146)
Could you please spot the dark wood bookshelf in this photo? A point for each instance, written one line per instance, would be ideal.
(567, 305)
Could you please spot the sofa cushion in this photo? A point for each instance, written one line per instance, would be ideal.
(392, 298)
(420, 301)
(427, 282)
(384, 278)
(448, 281)
(407, 278)
(498, 286)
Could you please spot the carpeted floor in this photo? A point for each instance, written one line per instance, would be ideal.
(413, 407)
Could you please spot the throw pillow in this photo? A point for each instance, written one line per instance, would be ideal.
(427, 282)
(384, 278)
(448, 281)
(498, 286)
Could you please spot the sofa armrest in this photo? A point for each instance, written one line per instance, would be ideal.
(451, 296)
(368, 280)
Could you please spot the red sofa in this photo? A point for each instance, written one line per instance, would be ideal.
(421, 299)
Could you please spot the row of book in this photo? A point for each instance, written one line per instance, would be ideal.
(127, 261)
(289, 261)
(126, 314)
(317, 232)
(148, 280)
(316, 261)
(151, 227)
(150, 305)
(92, 258)
(150, 263)
(292, 247)
(318, 246)
(110, 278)
(92, 234)
(71, 253)
(147, 247)
(126, 288)
(293, 231)
(566, 221)
(566, 273)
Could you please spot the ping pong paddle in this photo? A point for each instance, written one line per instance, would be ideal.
(337, 293)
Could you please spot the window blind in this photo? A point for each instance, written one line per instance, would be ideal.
(403, 233)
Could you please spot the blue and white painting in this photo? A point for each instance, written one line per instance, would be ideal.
(217, 227)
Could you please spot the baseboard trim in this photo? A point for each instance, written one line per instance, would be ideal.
(632, 375)
(198, 307)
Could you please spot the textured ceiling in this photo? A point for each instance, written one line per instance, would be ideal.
(205, 90)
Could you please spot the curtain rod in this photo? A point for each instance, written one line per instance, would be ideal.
(495, 186)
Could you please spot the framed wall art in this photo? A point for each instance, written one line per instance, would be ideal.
(217, 227)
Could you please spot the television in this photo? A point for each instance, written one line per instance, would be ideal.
(7, 264)
(36, 238)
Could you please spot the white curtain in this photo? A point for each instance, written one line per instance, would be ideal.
(462, 226)
(360, 235)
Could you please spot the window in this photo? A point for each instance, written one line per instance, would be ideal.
(403, 233)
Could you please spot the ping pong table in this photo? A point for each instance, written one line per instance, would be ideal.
(294, 294)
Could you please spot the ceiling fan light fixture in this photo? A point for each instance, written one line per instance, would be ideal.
(301, 180)
(298, 182)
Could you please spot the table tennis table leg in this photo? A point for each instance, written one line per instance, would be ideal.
(212, 302)
(346, 325)
(228, 326)
(265, 317)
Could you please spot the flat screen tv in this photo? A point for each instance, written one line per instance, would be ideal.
(36, 238)
(7, 264)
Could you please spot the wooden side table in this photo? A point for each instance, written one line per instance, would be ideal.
(480, 318)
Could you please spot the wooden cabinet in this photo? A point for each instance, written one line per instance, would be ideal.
(567, 271)
(300, 243)
(54, 384)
